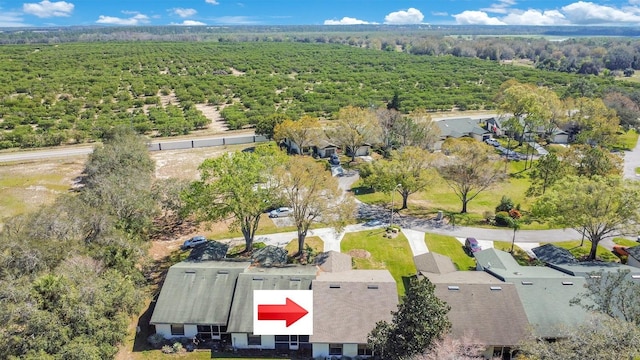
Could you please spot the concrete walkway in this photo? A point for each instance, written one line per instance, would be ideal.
(416, 241)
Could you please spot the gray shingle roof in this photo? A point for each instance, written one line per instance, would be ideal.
(634, 252)
(197, 293)
(284, 278)
(459, 127)
(491, 314)
(434, 263)
(585, 268)
(209, 251)
(550, 253)
(347, 305)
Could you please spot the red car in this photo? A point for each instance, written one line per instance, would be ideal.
(620, 250)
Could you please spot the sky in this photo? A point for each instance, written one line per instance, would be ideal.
(16, 13)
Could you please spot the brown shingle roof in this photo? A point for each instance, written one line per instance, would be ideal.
(482, 307)
(347, 305)
(333, 261)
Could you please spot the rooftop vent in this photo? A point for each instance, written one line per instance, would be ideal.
(496, 288)
(517, 273)
(527, 283)
(567, 283)
(296, 279)
(334, 286)
(258, 278)
(635, 276)
(373, 287)
(189, 271)
(452, 287)
(223, 271)
(595, 276)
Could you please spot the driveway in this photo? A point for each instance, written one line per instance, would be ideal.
(631, 162)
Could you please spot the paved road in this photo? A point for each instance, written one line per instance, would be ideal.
(80, 150)
(631, 162)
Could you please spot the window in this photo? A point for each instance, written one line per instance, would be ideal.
(335, 349)
(211, 331)
(254, 340)
(177, 329)
(363, 350)
(289, 342)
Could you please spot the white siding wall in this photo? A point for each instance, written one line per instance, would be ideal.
(190, 331)
(164, 330)
(350, 350)
(268, 342)
(239, 341)
(320, 350)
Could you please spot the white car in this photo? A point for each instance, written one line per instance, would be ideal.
(194, 241)
(280, 212)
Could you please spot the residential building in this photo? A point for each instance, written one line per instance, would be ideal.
(545, 293)
(291, 277)
(347, 305)
(460, 127)
(196, 298)
(484, 309)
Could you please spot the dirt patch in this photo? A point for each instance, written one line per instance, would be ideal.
(211, 112)
(183, 164)
(236, 72)
(360, 253)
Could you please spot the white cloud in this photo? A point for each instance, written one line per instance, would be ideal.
(346, 21)
(476, 18)
(134, 20)
(584, 13)
(500, 7)
(212, 2)
(439, 13)
(402, 17)
(183, 13)
(11, 19)
(47, 9)
(535, 17)
(189, 23)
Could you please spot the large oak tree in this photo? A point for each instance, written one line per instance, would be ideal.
(598, 207)
(239, 186)
(470, 168)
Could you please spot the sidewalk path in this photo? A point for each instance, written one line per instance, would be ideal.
(416, 241)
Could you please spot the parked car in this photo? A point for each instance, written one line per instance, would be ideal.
(194, 241)
(334, 160)
(280, 212)
(492, 142)
(472, 246)
(620, 250)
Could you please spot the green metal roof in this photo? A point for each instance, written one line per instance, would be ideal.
(283, 278)
(197, 293)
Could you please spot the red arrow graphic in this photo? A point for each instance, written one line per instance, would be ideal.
(290, 312)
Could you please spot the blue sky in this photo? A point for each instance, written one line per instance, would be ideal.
(15, 13)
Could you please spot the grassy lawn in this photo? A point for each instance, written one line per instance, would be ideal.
(625, 242)
(439, 197)
(451, 247)
(314, 242)
(391, 254)
(578, 251)
(626, 141)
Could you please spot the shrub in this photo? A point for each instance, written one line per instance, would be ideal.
(488, 216)
(167, 349)
(156, 340)
(506, 204)
(503, 218)
(177, 347)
